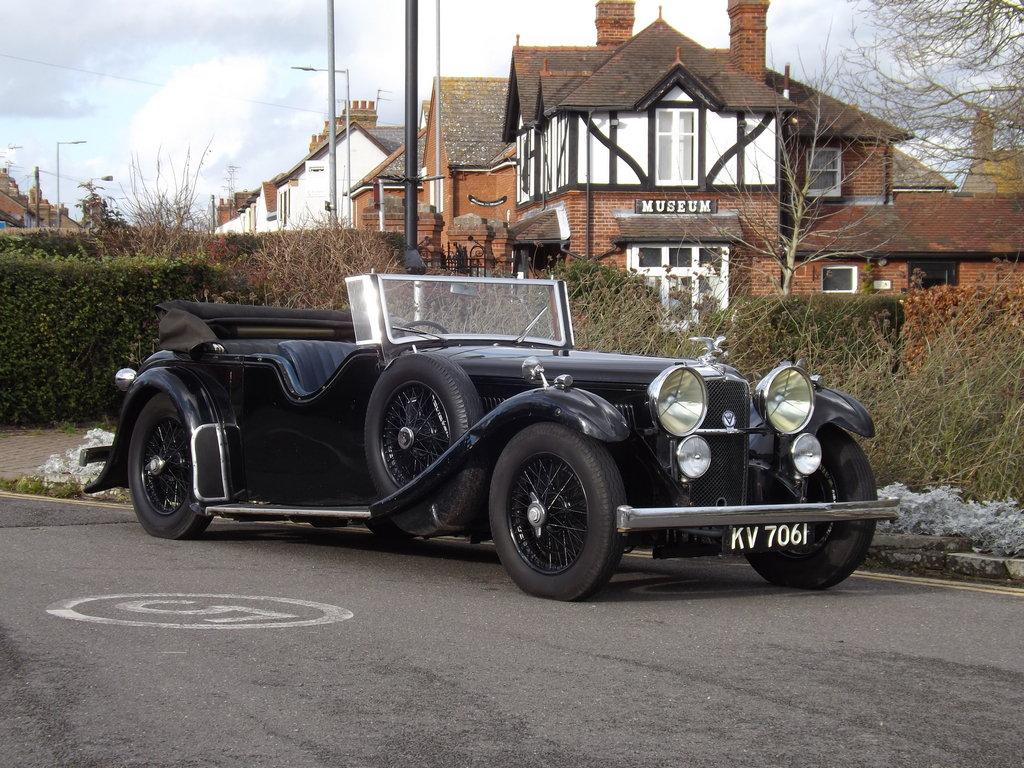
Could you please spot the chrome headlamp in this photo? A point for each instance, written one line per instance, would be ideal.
(785, 399)
(678, 399)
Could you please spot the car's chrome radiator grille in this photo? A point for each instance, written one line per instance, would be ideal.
(726, 481)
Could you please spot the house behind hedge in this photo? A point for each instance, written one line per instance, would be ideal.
(658, 154)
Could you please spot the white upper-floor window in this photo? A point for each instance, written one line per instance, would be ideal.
(825, 172)
(677, 146)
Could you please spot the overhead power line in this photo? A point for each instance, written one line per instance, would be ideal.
(150, 83)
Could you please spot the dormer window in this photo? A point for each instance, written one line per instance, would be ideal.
(825, 172)
(677, 147)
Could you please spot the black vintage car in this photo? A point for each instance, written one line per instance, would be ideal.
(448, 406)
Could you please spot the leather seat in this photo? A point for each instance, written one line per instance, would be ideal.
(314, 362)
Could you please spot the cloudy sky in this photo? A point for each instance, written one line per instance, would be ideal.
(215, 77)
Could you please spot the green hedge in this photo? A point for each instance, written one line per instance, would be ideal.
(68, 325)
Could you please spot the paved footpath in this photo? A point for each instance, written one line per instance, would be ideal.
(276, 645)
(23, 451)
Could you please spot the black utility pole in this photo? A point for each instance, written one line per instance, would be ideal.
(413, 261)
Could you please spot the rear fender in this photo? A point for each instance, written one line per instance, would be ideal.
(576, 409)
(205, 407)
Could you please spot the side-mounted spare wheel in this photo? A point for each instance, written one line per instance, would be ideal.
(554, 496)
(419, 407)
(160, 472)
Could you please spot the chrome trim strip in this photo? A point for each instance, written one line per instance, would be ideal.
(657, 518)
(271, 510)
(222, 450)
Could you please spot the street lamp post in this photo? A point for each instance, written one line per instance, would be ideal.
(59, 145)
(332, 138)
(332, 144)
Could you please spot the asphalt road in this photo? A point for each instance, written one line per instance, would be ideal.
(443, 662)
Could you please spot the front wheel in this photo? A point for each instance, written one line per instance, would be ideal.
(160, 473)
(554, 495)
(839, 548)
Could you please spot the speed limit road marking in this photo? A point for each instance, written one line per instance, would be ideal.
(199, 611)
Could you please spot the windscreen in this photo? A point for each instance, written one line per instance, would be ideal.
(474, 308)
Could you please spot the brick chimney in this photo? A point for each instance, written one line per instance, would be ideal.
(615, 19)
(748, 29)
(983, 136)
(363, 112)
(225, 211)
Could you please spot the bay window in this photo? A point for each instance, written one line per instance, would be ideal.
(687, 278)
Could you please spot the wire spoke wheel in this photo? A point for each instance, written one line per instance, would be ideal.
(547, 514)
(167, 466)
(821, 486)
(415, 433)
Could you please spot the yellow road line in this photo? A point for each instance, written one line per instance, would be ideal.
(53, 500)
(922, 581)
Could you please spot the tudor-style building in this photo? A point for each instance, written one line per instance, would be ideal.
(647, 150)
(666, 157)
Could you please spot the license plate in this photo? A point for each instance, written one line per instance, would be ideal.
(767, 538)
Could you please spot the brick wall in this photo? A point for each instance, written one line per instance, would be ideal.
(971, 273)
(866, 169)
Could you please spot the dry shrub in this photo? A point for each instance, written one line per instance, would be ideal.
(954, 414)
(308, 267)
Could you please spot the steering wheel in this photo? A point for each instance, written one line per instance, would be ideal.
(426, 324)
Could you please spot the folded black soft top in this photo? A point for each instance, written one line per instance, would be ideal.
(186, 325)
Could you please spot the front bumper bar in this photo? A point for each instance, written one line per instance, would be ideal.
(661, 518)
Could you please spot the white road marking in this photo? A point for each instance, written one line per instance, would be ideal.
(211, 615)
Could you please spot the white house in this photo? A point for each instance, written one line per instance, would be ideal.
(299, 197)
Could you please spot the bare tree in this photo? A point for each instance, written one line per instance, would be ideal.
(168, 199)
(804, 227)
(933, 66)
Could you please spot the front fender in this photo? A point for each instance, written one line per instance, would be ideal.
(834, 407)
(576, 409)
(190, 395)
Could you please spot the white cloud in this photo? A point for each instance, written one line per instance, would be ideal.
(210, 55)
(202, 108)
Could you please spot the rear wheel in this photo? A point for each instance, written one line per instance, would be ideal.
(554, 495)
(838, 548)
(160, 473)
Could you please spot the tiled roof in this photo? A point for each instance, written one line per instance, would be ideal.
(585, 78)
(527, 63)
(638, 66)
(825, 115)
(472, 110)
(621, 78)
(544, 227)
(716, 228)
(909, 173)
(390, 137)
(937, 224)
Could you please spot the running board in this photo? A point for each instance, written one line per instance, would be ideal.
(276, 511)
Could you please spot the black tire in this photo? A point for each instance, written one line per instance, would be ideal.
(585, 567)
(437, 402)
(163, 500)
(839, 548)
